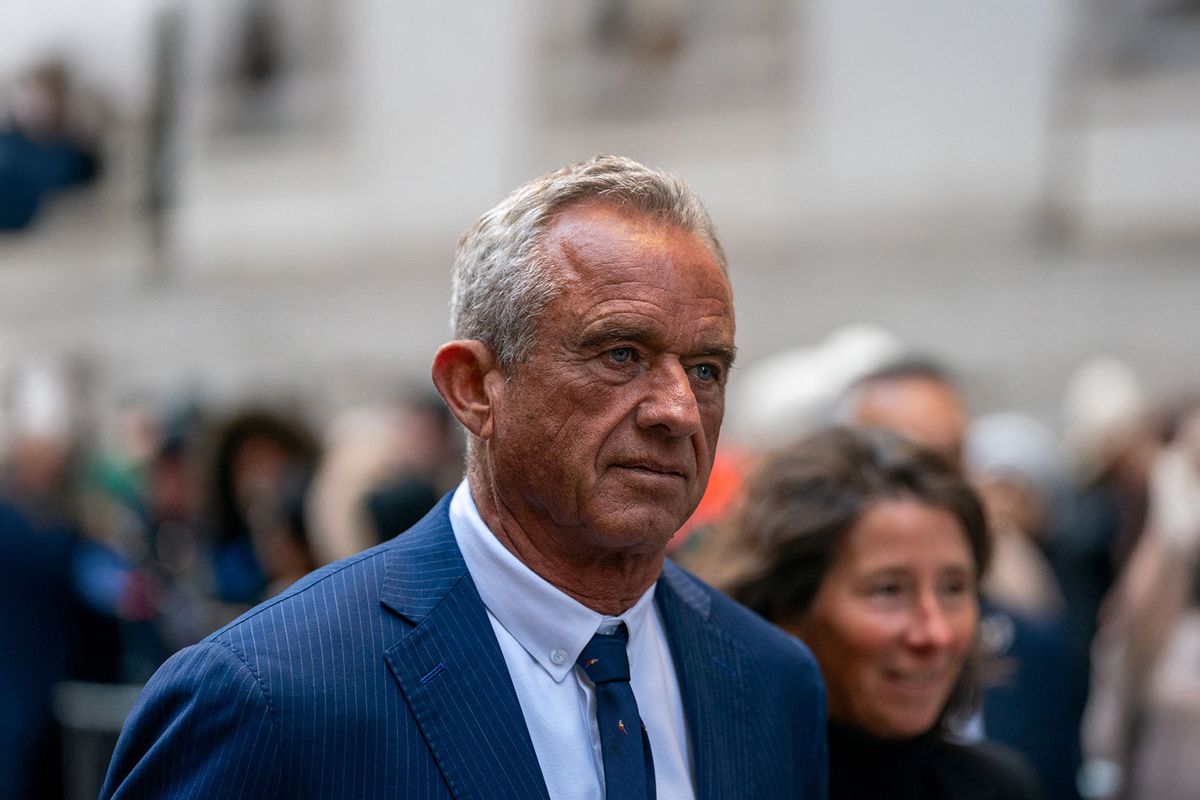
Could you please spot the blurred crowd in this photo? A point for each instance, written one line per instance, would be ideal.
(125, 539)
(1091, 601)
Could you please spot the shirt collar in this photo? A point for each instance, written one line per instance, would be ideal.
(552, 626)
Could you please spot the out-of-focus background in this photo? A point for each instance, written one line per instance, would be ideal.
(226, 229)
(282, 184)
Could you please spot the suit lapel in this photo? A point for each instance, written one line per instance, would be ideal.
(711, 682)
(451, 671)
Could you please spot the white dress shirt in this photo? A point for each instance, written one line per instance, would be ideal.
(541, 632)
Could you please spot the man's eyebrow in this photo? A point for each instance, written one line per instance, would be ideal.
(723, 353)
(616, 332)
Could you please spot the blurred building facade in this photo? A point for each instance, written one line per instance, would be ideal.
(1015, 187)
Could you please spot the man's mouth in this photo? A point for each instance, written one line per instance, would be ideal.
(654, 468)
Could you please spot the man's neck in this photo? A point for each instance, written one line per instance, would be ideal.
(608, 583)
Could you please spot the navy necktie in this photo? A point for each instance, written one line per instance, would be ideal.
(628, 764)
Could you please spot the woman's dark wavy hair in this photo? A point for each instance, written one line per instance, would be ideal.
(291, 433)
(804, 500)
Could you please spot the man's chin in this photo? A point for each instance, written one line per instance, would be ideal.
(641, 529)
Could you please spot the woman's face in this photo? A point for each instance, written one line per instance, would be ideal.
(894, 618)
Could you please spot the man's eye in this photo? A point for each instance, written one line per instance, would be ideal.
(706, 372)
(621, 355)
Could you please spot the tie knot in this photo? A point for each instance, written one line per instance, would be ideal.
(604, 658)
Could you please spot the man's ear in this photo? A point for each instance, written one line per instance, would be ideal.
(467, 375)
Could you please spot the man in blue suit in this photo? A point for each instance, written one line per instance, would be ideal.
(526, 639)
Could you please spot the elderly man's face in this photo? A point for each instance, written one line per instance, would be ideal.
(605, 434)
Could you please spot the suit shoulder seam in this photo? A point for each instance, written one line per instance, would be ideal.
(272, 711)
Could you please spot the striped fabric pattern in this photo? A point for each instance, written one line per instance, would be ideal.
(380, 677)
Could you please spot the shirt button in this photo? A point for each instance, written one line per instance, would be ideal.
(559, 656)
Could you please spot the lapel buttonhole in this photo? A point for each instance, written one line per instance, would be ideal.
(433, 673)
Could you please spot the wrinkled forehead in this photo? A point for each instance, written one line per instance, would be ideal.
(601, 252)
(636, 217)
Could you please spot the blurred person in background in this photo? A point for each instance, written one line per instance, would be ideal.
(257, 455)
(44, 426)
(145, 497)
(177, 550)
(383, 469)
(1032, 677)
(1144, 717)
(49, 140)
(279, 531)
(916, 397)
(1111, 442)
(1015, 463)
(871, 549)
(40, 616)
(431, 465)
(63, 596)
(1038, 677)
(116, 514)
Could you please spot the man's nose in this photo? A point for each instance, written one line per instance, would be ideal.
(670, 403)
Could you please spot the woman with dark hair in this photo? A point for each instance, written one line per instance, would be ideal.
(260, 465)
(870, 549)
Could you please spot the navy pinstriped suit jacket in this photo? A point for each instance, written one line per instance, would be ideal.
(380, 677)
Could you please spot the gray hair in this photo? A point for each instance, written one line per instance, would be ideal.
(502, 282)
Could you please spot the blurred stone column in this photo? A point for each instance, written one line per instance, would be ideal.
(437, 108)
